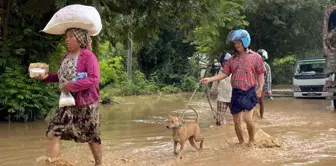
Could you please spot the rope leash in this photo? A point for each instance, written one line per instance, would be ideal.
(213, 111)
(206, 92)
(197, 86)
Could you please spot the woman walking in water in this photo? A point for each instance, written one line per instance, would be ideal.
(78, 74)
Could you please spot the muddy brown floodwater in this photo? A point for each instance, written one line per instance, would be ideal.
(133, 133)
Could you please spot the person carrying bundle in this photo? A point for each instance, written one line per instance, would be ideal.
(78, 76)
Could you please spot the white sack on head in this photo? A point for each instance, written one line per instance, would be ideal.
(75, 16)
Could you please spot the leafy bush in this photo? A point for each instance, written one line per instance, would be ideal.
(139, 85)
(24, 99)
(189, 83)
(142, 85)
(109, 71)
(171, 89)
(21, 98)
(282, 70)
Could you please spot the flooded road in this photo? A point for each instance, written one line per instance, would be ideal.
(133, 133)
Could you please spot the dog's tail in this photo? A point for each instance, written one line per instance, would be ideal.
(197, 115)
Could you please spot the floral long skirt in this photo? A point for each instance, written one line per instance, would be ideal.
(78, 124)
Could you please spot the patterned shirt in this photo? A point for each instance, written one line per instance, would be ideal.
(87, 89)
(244, 70)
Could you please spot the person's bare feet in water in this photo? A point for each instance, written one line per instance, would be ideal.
(251, 143)
(241, 142)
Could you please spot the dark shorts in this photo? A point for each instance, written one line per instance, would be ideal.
(242, 100)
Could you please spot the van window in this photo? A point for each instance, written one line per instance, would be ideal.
(310, 67)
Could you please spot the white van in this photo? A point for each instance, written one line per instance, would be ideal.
(309, 78)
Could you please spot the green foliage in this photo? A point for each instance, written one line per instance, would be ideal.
(171, 89)
(125, 88)
(189, 83)
(139, 85)
(282, 70)
(222, 14)
(142, 85)
(285, 27)
(168, 37)
(22, 98)
(56, 56)
(109, 71)
(166, 59)
(143, 20)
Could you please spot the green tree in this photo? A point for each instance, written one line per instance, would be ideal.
(21, 43)
(166, 59)
(190, 25)
(287, 29)
(284, 27)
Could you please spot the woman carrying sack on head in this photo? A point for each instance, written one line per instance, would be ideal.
(78, 74)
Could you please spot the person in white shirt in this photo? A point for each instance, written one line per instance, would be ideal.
(267, 89)
(223, 90)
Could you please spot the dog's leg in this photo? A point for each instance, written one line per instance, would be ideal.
(181, 148)
(199, 138)
(175, 146)
(201, 144)
(192, 142)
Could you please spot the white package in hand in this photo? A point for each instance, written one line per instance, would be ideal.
(75, 16)
(34, 72)
(36, 69)
(66, 99)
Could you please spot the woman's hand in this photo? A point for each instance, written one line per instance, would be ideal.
(65, 87)
(41, 76)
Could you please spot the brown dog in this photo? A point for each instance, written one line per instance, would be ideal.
(182, 132)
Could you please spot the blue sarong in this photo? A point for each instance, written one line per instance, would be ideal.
(243, 100)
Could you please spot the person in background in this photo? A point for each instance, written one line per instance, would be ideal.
(223, 90)
(215, 67)
(267, 91)
(246, 69)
